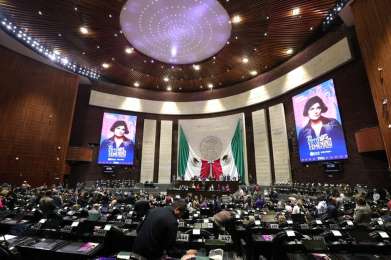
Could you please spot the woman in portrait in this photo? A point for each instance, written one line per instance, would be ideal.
(320, 133)
(117, 148)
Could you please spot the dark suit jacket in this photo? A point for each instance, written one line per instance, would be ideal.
(157, 233)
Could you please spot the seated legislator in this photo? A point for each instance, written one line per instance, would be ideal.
(362, 212)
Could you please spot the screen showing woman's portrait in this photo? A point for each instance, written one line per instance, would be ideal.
(117, 139)
(318, 124)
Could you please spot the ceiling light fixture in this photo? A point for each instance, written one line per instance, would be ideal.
(136, 84)
(333, 13)
(169, 88)
(253, 73)
(129, 50)
(169, 36)
(236, 19)
(196, 67)
(210, 85)
(105, 65)
(166, 79)
(245, 60)
(289, 51)
(295, 11)
(22, 36)
(83, 30)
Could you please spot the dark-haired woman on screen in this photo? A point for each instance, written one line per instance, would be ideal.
(117, 149)
(321, 136)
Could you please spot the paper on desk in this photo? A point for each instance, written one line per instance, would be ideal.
(6, 237)
(123, 255)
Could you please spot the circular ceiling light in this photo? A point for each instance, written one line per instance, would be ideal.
(129, 50)
(176, 31)
(84, 30)
(236, 19)
(105, 65)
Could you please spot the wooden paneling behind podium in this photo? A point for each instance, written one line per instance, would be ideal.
(80, 154)
(369, 140)
(36, 104)
(373, 26)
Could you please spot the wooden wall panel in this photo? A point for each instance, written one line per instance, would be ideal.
(157, 148)
(369, 140)
(86, 130)
(373, 26)
(249, 148)
(174, 150)
(79, 154)
(36, 104)
(247, 175)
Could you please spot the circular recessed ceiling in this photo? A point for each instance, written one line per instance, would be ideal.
(176, 31)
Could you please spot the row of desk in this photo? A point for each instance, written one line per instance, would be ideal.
(254, 233)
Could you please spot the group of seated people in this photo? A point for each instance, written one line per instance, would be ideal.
(205, 187)
(221, 178)
(158, 213)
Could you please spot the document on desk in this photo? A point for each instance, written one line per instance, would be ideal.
(290, 233)
(107, 227)
(7, 237)
(383, 234)
(123, 255)
(336, 233)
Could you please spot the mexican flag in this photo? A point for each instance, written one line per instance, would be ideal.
(230, 163)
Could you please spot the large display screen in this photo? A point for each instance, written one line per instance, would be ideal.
(319, 130)
(117, 139)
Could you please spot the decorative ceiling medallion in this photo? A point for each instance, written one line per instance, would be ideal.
(176, 31)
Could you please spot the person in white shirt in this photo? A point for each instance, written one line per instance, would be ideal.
(298, 207)
(288, 208)
(321, 208)
(375, 196)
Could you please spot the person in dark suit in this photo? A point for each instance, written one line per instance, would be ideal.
(331, 212)
(157, 233)
(141, 208)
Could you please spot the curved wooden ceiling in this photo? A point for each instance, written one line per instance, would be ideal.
(267, 31)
